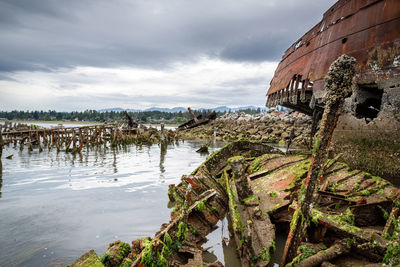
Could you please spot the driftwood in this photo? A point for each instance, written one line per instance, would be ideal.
(206, 195)
(338, 85)
(197, 121)
(189, 122)
(192, 114)
(331, 253)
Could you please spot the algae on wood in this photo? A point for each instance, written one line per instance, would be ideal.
(338, 86)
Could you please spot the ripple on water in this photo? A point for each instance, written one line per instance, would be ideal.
(56, 206)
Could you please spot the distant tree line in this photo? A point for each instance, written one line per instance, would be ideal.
(109, 116)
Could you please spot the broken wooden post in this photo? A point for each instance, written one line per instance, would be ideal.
(30, 148)
(338, 86)
(1, 143)
(192, 114)
(38, 141)
(388, 230)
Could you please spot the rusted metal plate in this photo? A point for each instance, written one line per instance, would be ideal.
(368, 30)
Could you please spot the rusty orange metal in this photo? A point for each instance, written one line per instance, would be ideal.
(368, 30)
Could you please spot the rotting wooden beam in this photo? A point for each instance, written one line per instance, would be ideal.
(338, 86)
(337, 249)
(192, 114)
(1, 142)
(203, 197)
(388, 230)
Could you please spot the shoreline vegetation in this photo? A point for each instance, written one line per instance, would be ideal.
(143, 117)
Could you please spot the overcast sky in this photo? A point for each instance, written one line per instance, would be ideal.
(94, 54)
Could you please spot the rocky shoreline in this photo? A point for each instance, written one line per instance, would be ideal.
(269, 127)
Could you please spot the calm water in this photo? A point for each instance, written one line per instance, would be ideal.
(56, 206)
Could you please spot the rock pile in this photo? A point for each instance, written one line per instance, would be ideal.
(271, 126)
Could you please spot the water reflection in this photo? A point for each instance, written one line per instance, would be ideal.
(163, 152)
(56, 206)
(114, 164)
(1, 176)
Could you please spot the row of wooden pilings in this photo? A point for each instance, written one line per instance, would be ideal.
(73, 139)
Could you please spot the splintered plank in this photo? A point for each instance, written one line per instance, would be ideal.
(272, 164)
(274, 187)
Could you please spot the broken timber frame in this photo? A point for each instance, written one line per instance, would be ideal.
(338, 85)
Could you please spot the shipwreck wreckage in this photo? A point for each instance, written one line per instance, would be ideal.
(369, 31)
(336, 214)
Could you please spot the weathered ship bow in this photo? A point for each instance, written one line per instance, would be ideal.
(368, 132)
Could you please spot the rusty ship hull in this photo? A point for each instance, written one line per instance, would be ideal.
(368, 131)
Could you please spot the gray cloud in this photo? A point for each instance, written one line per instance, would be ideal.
(49, 34)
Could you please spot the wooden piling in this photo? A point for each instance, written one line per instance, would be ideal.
(1, 142)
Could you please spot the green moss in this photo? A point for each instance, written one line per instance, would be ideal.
(304, 253)
(182, 229)
(250, 199)
(172, 191)
(236, 218)
(316, 216)
(124, 249)
(300, 171)
(273, 193)
(193, 230)
(264, 255)
(176, 245)
(168, 243)
(379, 191)
(201, 205)
(333, 187)
(161, 260)
(317, 143)
(257, 163)
(106, 259)
(89, 259)
(271, 140)
(296, 216)
(385, 214)
(348, 217)
(356, 186)
(343, 221)
(365, 193)
(273, 245)
(235, 158)
(126, 263)
(109, 259)
(392, 256)
(147, 254)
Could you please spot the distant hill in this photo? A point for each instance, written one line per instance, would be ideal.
(118, 110)
(171, 110)
(182, 109)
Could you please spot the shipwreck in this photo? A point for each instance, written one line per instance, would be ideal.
(335, 211)
(368, 131)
